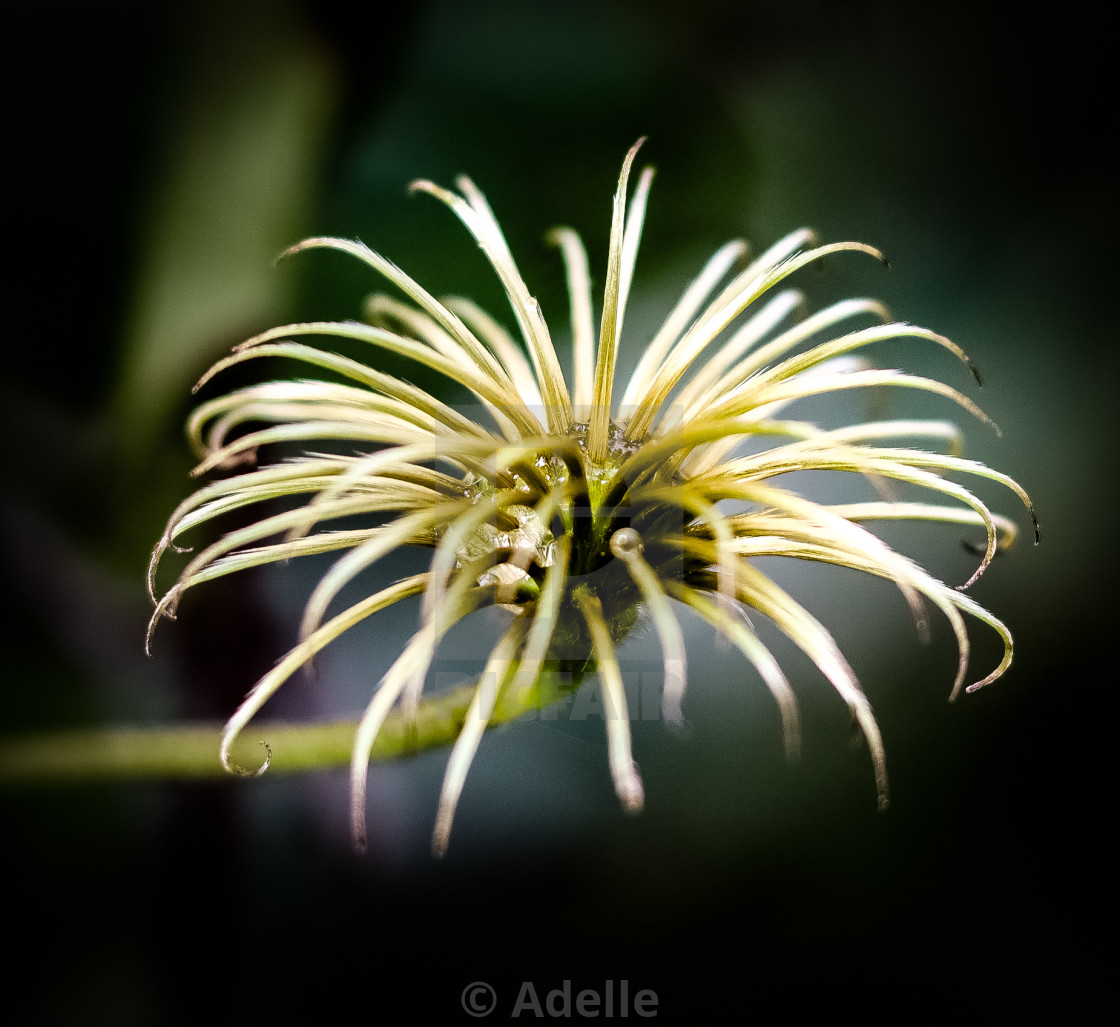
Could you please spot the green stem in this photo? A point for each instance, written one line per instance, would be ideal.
(191, 751)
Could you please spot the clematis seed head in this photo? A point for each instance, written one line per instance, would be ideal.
(574, 510)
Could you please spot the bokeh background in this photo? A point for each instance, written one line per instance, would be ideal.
(158, 157)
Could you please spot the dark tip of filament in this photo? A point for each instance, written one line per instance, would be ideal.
(976, 549)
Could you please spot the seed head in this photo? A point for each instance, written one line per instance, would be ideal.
(573, 508)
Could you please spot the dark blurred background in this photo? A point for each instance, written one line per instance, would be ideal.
(158, 157)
